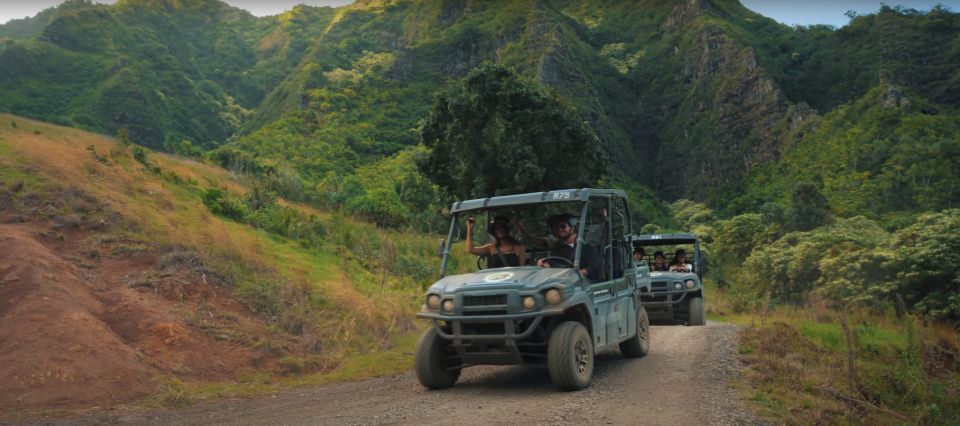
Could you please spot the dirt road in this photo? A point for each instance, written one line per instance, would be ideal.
(683, 381)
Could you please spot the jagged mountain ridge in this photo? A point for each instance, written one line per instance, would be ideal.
(688, 96)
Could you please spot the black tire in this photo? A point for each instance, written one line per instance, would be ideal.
(697, 316)
(638, 345)
(570, 356)
(429, 363)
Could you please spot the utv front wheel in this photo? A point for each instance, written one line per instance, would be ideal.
(570, 356)
(696, 311)
(638, 345)
(428, 361)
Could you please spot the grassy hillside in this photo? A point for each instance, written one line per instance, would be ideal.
(333, 299)
(821, 365)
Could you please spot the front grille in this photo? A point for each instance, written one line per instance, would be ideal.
(659, 286)
(498, 299)
(483, 328)
(485, 312)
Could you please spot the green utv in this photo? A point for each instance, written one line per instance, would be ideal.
(676, 294)
(555, 316)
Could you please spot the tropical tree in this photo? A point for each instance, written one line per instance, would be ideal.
(497, 133)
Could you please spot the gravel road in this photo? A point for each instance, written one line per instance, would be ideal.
(684, 380)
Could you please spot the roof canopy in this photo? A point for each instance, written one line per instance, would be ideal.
(557, 196)
(663, 239)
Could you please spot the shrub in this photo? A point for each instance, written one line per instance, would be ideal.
(220, 204)
(382, 206)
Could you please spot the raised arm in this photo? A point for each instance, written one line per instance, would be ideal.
(479, 251)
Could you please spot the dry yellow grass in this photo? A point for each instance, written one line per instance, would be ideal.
(173, 214)
(332, 295)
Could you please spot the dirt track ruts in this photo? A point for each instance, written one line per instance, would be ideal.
(684, 380)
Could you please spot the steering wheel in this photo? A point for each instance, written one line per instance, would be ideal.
(482, 257)
(562, 259)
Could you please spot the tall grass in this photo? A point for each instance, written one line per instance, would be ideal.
(343, 289)
(826, 365)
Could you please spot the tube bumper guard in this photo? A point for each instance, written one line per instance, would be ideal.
(510, 323)
(495, 339)
(664, 298)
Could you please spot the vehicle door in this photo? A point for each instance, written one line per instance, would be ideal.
(623, 275)
(596, 233)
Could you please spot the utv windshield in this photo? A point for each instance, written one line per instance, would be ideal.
(527, 226)
(669, 252)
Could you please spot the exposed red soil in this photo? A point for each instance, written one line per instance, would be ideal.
(87, 320)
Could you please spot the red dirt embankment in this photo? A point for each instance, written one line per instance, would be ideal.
(57, 349)
(85, 321)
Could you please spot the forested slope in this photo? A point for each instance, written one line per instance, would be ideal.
(698, 99)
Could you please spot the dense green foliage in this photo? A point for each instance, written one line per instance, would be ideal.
(852, 261)
(169, 71)
(801, 150)
(909, 48)
(883, 156)
(497, 134)
(31, 26)
(693, 99)
(260, 209)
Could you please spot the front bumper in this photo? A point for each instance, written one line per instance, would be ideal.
(666, 298)
(495, 339)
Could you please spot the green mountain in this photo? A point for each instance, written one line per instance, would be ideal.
(695, 99)
(33, 26)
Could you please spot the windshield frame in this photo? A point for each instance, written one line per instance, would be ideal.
(453, 234)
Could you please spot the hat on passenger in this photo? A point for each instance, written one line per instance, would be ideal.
(498, 220)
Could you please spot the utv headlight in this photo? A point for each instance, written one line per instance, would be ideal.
(448, 306)
(433, 302)
(528, 303)
(552, 296)
(677, 285)
(691, 283)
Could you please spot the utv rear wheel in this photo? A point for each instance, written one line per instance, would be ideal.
(570, 356)
(696, 311)
(428, 361)
(638, 345)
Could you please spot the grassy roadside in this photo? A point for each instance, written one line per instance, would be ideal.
(820, 365)
(340, 299)
(358, 366)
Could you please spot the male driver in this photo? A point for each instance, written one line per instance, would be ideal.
(679, 263)
(563, 227)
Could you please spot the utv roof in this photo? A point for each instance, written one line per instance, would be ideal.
(557, 196)
(664, 239)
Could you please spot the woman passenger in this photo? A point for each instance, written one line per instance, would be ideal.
(504, 250)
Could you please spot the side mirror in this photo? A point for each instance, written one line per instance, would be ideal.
(443, 243)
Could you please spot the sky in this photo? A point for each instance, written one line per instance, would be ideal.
(832, 12)
(790, 12)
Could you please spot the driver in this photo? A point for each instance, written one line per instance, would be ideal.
(679, 263)
(564, 228)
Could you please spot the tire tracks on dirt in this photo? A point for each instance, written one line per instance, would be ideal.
(685, 379)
